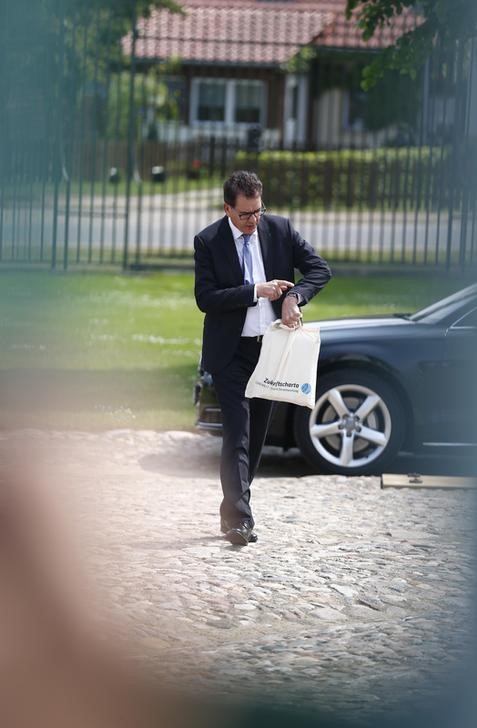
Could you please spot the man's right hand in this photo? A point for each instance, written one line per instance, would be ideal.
(273, 290)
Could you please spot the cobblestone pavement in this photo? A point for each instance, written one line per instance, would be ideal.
(355, 600)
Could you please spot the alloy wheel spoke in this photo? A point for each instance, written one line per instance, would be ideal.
(374, 436)
(346, 453)
(331, 428)
(367, 406)
(337, 402)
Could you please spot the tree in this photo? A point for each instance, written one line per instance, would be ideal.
(118, 15)
(33, 34)
(440, 23)
(153, 102)
(53, 53)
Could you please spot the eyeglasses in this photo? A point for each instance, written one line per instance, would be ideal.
(249, 215)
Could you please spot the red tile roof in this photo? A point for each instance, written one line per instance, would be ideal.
(343, 33)
(250, 32)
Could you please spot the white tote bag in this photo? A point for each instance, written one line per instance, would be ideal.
(286, 369)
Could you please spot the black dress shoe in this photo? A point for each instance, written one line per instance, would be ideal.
(225, 527)
(241, 534)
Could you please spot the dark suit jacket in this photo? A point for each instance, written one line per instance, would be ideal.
(219, 289)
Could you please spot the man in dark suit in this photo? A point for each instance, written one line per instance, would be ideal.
(244, 273)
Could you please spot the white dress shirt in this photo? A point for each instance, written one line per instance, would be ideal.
(260, 316)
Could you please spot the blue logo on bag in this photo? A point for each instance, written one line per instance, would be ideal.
(306, 388)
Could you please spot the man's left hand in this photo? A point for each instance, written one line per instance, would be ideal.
(290, 312)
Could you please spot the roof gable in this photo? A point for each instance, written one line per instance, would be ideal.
(343, 33)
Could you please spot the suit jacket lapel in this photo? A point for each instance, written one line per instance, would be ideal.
(265, 238)
(230, 250)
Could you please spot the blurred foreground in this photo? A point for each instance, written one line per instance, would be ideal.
(122, 606)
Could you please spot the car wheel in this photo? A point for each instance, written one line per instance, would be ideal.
(356, 426)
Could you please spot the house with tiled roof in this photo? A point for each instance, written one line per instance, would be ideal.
(255, 70)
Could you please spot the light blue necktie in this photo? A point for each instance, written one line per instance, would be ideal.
(247, 260)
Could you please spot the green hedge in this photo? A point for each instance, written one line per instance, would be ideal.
(389, 178)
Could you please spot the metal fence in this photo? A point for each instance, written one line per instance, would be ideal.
(111, 157)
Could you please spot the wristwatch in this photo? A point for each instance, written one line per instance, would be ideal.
(295, 295)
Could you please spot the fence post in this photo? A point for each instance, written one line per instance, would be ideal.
(131, 150)
(350, 172)
(372, 195)
(328, 169)
(469, 190)
(57, 85)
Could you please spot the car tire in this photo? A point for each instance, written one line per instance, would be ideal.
(356, 427)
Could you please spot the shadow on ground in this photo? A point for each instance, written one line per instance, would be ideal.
(279, 464)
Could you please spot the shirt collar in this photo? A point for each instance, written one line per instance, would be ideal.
(238, 233)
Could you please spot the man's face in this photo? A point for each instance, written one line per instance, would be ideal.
(240, 213)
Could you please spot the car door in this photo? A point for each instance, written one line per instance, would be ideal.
(459, 392)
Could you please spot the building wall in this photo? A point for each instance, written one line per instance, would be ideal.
(332, 128)
(223, 87)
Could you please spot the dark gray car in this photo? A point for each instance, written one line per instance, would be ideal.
(384, 384)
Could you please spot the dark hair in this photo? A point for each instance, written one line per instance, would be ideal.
(243, 183)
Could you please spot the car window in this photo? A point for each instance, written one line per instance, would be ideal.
(469, 320)
(448, 307)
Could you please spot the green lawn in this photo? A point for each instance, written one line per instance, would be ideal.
(174, 183)
(102, 351)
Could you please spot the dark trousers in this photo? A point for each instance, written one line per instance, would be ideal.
(245, 423)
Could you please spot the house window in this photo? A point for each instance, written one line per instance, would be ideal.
(248, 102)
(211, 96)
(227, 101)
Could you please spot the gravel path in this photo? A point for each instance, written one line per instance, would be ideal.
(355, 600)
